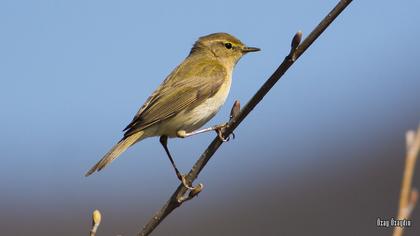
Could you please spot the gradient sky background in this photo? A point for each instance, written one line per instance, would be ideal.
(322, 154)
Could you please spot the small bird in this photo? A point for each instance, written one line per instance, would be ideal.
(188, 98)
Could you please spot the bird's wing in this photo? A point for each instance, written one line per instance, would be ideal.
(185, 88)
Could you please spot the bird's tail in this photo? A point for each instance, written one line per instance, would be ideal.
(115, 151)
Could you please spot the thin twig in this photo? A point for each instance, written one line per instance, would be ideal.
(297, 50)
(409, 195)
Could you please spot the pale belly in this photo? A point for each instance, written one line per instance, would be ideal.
(195, 118)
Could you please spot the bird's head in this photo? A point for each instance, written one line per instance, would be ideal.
(222, 46)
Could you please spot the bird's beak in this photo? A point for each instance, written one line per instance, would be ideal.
(250, 49)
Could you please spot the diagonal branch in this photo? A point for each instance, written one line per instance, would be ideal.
(297, 49)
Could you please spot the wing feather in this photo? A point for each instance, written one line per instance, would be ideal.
(185, 88)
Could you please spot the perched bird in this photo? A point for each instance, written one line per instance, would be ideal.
(187, 99)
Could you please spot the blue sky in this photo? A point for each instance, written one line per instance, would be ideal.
(73, 74)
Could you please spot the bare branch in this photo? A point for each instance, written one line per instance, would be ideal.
(409, 196)
(296, 51)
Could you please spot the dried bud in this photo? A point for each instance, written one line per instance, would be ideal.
(96, 217)
(235, 109)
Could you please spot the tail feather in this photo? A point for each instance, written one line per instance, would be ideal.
(115, 151)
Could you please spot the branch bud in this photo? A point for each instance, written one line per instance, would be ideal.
(235, 109)
(96, 217)
(296, 40)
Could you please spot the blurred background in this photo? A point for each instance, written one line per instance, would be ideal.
(323, 154)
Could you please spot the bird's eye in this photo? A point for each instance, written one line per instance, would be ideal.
(228, 45)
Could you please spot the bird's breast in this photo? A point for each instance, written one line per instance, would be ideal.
(195, 118)
(200, 115)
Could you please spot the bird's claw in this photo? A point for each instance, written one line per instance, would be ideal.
(185, 183)
(220, 134)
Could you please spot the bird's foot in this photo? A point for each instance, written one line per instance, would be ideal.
(219, 130)
(185, 182)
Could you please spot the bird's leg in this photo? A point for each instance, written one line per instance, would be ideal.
(236, 108)
(217, 128)
(164, 141)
